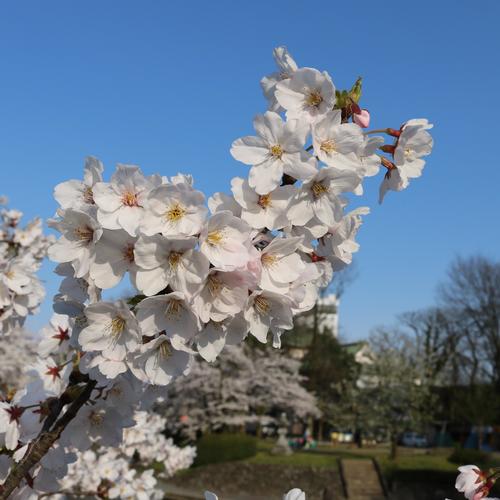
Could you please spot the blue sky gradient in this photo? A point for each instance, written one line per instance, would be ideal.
(169, 86)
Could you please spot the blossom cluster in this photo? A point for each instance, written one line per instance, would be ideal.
(113, 472)
(22, 250)
(207, 277)
(207, 273)
(101, 448)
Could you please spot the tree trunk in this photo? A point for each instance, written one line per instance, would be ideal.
(394, 446)
(320, 429)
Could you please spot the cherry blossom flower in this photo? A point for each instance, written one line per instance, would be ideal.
(120, 202)
(224, 294)
(225, 241)
(413, 142)
(320, 196)
(334, 140)
(268, 311)
(470, 479)
(338, 244)
(281, 265)
(95, 424)
(263, 210)
(307, 95)
(160, 361)
(286, 68)
(114, 256)
(170, 313)
(211, 340)
(278, 148)
(77, 194)
(174, 210)
(112, 330)
(173, 261)
(295, 494)
(219, 202)
(80, 233)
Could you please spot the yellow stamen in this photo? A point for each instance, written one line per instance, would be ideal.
(116, 326)
(319, 189)
(276, 151)
(88, 196)
(175, 213)
(215, 237)
(174, 258)
(262, 305)
(164, 350)
(84, 233)
(268, 259)
(264, 200)
(129, 199)
(214, 284)
(314, 98)
(328, 146)
(174, 308)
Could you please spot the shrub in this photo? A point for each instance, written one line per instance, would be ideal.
(463, 456)
(224, 447)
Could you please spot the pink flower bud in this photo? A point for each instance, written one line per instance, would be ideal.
(362, 119)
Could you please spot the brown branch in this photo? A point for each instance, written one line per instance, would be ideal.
(43, 443)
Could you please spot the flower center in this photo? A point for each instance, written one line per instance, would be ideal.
(268, 259)
(174, 308)
(318, 189)
(314, 98)
(116, 326)
(164, 350)
(214, 284)
(54, 372)
(175, 213)
(328, 146)
(215, 237)
(276, 151)
(129, 199)
(10, 275)
(262, 305)
(88, 196)
(174, 258)
(264, 200)
(62, 335)
(15, 413)
(128, 253)
(84, 233)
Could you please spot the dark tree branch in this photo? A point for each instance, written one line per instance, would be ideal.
(44, 441)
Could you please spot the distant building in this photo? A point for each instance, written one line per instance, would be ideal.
(325, 314)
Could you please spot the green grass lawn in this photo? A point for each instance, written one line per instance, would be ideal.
(408, 460)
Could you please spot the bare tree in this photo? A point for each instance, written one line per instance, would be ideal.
(472, 294)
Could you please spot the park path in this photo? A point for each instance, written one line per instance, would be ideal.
(361, 480)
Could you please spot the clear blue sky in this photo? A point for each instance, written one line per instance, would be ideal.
(169, 85)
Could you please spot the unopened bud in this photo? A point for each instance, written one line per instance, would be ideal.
(388, 148)
(393, 132)
(362, 118)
